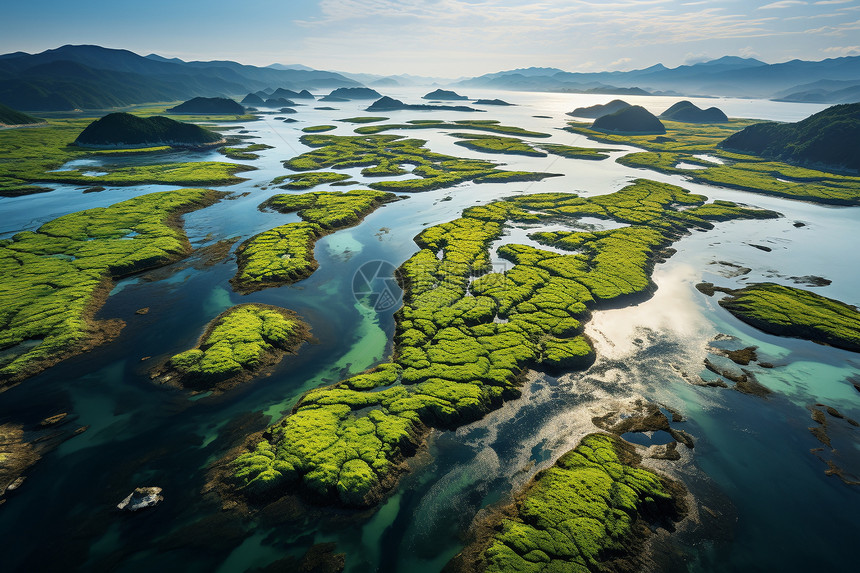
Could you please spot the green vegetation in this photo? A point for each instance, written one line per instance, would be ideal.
(11, 117)
(491, 102)
(386, 103)
(572, 152)
(318, 128)
(750, 173)
(599, 110)
(56, 278)
(347, 94)
(825, 138)
(462, 343)
(441, 94)
(308, 179)
(364, 119)
(199, 173)
(127, 130)
(246, 152)
(132, 151)
(688, 112)
(382, 155)
(788, 311)
(30, 156)
(496, 144)
(633, 119)
(285, 254)
(236, 346)
(514, 146)
(579, 514)
(473, 124)
(208, 105)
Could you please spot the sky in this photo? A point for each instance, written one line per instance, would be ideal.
(444, 38)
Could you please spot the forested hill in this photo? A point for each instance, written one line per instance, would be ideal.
(830, 138)
(129, 130)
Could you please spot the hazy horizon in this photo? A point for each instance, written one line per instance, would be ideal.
(448, 38)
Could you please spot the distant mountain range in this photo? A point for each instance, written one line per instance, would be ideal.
(727, 76)
(92, 77)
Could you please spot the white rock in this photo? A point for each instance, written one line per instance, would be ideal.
(140, 498)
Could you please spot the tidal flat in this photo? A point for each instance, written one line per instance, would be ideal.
(489, 260)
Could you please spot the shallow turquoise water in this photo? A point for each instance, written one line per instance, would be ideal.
(753, 450)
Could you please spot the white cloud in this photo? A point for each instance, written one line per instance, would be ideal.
(621, 62)
(782, 4)
(822, 2)
(843, 50)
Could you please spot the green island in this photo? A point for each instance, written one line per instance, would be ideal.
(683, 141)
(208, 105)
(465, 336)
(308, 180)
(514, 146)
(631, 120)
(237, 346)
(31, 156)
(246, 152)
(496, 144)
(125, 130)
(473, 124)
(573, 152)
(589, 512)
(57, 277)
(285, 254)
(789, 311)
(318, 128)
(383, 155)
(363, 119)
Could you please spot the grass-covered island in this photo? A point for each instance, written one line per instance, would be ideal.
(390, 104)
(634, 119)
(211, 105)
(237, 346)
(440, 94)
(591, 511)
(285, 254)
(688, 112)
(828, 138)
(491, 102)
(347, 94)
(514, 146)
(247, 152)
(57, 277)
(697, 144)
(13, 118)
(124, 130)
(364, 119)
(32, 157)
(318, 128)
(789, 311)
(599, 110)
(465, 336)
(385, 155)
(308, 180)
(490, 125)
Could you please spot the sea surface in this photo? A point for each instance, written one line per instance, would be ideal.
(775, 508)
